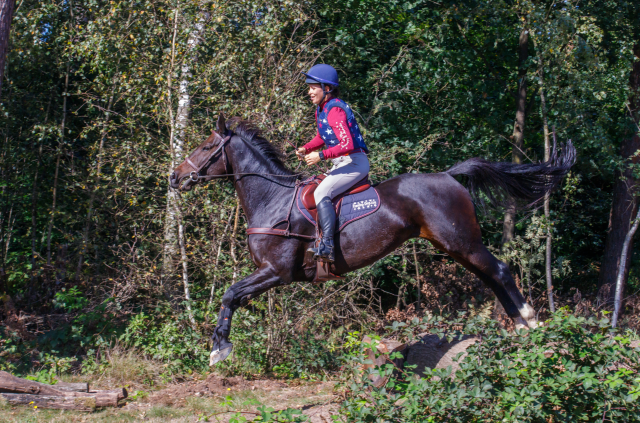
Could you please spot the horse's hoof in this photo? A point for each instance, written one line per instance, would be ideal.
(520, 323)
(219, 355)
(534, 324)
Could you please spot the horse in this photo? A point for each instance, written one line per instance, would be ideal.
(434, 206)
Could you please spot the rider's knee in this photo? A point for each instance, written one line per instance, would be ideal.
(320, 193)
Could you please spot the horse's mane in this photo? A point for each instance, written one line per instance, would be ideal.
(252, 134)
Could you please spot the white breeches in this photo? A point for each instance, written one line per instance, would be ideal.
(346, 172)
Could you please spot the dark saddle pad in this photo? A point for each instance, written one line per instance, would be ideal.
(357, 202)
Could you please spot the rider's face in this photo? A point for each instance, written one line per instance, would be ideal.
(315, 93)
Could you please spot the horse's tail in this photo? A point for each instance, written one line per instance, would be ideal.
(529, 182)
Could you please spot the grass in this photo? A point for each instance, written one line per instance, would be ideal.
(191, 411)
(142, 376)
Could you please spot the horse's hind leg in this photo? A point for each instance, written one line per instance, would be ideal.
(461, 240)
(496, 275)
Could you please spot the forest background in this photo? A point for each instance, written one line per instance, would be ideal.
(101, 99)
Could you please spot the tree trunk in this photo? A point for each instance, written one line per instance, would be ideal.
(624, 205)
(179, 125)
(185, 274)
(517, 137)
(58, 157)
(6, 14)
(34, 204)
(94, 187)
(621, 278)
(34, 199)
(547, 197)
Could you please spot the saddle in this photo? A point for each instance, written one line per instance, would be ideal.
(355, 203)
(309, 202)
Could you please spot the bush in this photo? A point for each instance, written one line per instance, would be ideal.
(570, 369)
(168, 340)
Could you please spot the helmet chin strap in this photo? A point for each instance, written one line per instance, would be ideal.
(324, 93)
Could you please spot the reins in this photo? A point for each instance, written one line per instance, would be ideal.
(195, 176)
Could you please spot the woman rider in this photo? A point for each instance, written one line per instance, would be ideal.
(339, 134)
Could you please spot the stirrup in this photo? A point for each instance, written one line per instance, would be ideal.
(324, 253)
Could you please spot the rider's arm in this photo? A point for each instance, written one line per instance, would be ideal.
(314, 144)
(338, 121)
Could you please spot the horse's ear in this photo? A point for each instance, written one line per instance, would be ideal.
(222, 125)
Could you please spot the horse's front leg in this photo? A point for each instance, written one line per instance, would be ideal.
(237, 295)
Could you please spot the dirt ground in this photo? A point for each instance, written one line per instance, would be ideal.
(212, 398)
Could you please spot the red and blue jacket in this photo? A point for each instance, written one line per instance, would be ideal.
(337, 130)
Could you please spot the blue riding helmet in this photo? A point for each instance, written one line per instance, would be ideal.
(322, 74)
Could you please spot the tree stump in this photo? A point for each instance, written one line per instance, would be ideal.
(386, 346)
(435, 353)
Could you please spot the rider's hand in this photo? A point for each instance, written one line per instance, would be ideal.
(312, 158)
(300, 152)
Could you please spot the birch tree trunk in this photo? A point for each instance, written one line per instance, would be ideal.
(621, 277)
(170, 236)
(179, 123)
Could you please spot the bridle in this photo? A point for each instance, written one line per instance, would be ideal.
(196, 177)
(195, 174)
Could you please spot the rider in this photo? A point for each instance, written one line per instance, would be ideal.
(339, 132)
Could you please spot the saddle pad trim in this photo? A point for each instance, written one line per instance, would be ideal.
(359, 217)
(338, 207)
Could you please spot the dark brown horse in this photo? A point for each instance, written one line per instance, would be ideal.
(431, 206)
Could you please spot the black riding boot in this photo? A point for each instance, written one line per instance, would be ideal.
(326, 221)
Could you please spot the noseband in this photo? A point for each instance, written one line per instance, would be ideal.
(195, 174)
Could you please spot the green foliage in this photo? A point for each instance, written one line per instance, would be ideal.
(570, 369)
(170, 341)
(71, 300)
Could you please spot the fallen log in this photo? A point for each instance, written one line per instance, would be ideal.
(13, 384)
(73, 387)
(121, 393)
(47, 401)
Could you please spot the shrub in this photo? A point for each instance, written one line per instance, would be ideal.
(171, 341)
(570, 369)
